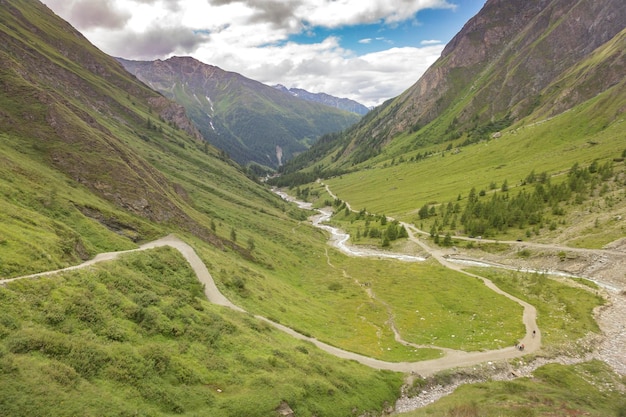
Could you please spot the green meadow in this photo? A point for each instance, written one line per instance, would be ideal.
(552, 146)
(137, 337)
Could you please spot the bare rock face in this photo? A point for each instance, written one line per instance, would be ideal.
(175, 113)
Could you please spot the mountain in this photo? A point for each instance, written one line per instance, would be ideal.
(339, 103)
(252, 122)
(526, 101)
(513, 61)
(73, 109)
(93, 161)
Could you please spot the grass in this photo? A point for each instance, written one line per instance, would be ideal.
(564, 312)
(552, 146)
(136, 335)
(316, 299)
(589, 389)
(327, 298)
(81, 173)
(42, 226)
(432, 305)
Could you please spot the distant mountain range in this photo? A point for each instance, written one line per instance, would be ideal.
(251, 121)
(332, 101)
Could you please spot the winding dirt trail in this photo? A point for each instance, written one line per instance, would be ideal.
(532, 340)
(604, 266)
(451, 359)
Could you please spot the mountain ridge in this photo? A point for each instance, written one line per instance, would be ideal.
(82, 114)
(332, 101)
(249, 120)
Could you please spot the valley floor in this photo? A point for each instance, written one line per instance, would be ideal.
(604, 266)
(451, 359)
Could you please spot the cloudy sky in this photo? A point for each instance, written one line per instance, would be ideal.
(367, 50)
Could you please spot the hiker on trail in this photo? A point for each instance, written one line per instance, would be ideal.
(534, 332)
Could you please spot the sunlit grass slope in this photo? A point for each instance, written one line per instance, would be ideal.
(137, 337)
(399, 186)
(552, 146)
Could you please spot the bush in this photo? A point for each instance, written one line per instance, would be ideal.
(87, 357)
(61, 373)
(44, 341)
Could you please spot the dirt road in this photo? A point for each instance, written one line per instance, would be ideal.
(603, 266)
(451, 359)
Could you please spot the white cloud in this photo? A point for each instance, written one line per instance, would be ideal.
(90, 14)
(430, 42)
(326, 67)
(252, 37)
(335, 13)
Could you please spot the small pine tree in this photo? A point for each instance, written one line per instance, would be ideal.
(423, 212)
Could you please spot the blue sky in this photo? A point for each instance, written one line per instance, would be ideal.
(428, 26)
(367, 50)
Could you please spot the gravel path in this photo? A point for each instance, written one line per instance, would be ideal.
(610, 317)
(452, 358)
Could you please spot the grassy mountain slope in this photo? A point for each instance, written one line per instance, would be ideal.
(93, 161)
(251, 121)
(136, 337)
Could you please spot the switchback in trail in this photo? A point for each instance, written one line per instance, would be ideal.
(452, 358)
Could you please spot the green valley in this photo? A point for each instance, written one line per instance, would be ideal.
(93, 161)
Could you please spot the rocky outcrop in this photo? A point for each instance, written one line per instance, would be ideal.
(284, 410)
(174, 113)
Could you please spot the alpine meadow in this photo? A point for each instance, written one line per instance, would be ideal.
(221, 247)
